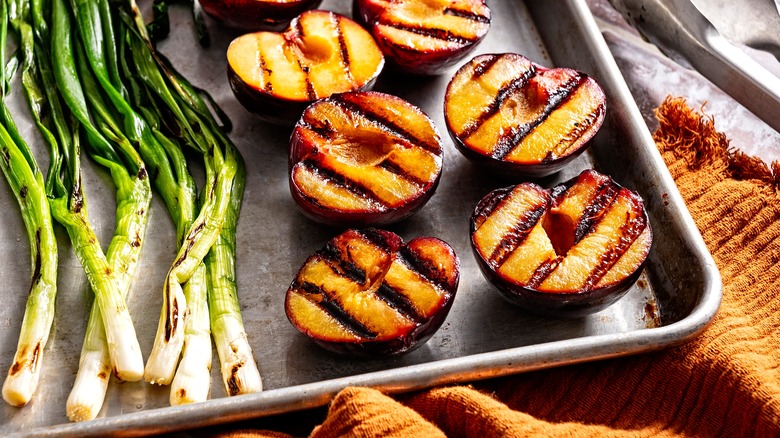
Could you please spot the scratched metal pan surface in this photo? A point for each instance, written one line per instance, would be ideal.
(483, 336)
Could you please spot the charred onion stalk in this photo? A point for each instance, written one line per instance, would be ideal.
(26, 181)
(82, 95)
(239, 371)
(192, 380)
(108, 278)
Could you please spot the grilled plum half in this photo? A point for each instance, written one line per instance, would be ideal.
(256, 14)
(519, 118)
(278, 74)
(363, 158)
(424, 36)
(567, 251)
(367, 293)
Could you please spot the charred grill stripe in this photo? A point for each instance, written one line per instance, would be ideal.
(484, 66)
(595, 210)
(333, 308)
(345, 268)
(233, 382)
(488, 205)
(423, 267)
(439, 34)
(399, 302)
(467, 15)
(386, 125)
(579, 130)
(268, 85)
(310, 92)
(77, 196)
(343, 49)
(376, 238)
(36, 274)
(631, 229)
(340, 180)
(516, 236)
(325, 131)
(510, 139)
(36, 352)
(503, 92)
(542, 272)
(398, 170)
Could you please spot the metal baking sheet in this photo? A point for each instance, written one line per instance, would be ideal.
(676, 297)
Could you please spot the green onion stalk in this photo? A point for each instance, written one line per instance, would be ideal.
(96, 27)
(171, 178)
(27, 182)
(109, 276)
(83, 98)
(192, 380)
(239, 370)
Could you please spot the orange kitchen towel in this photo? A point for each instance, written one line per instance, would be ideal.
(724, 383)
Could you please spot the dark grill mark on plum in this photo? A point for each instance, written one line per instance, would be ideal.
(340, 180)
(631, 229)
(512, 137)
(488, 205)
(266, 74)
(399, 302)
(503, 93)
(439, 34)
(320, 126)
(36, 275)
(345, 268)
(484, 66)
(310, 93)
(579, 130)
(543, 271)
(595, 210)
(385, 124)
(401, 172)
(516, 236)
(333, 308)
(424, 268)
(467, 15)
(343, 50)
(377, 238)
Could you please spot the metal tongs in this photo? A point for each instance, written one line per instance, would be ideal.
(683, 33)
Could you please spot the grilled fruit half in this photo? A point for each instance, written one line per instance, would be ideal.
(424, 36)
(366, 292)
(256, 14)
(278, 74)
(520, 118)
(363, 158)
(567, 251)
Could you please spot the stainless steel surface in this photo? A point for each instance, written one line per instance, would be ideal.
(483, 337)
(754, 23)
(687, 36)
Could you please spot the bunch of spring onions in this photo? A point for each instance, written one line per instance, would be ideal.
(105, 81)
(27, 183)
(60, 109)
